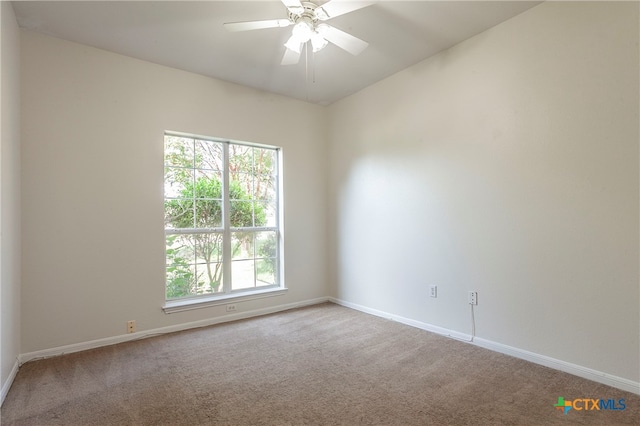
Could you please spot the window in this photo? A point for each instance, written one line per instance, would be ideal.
(221, 214)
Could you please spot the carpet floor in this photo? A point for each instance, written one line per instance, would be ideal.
(319, 365)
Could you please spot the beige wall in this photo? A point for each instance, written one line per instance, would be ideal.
(507, 165)
(93, 125)
(9, 196)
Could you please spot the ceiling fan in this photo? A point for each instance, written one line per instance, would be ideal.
(308, 19)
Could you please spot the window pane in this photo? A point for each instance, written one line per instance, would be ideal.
(208, 184)
(181, 281)
(180, 249)
(208, 214)
(241, 213)
(265, 187)
(180, 259)
(266, 213)
(209, 278)
(242, 245)
(240, 160)
(178, 183)
(209, 261)
(208, 247)
(264, 161)
(241, 187)
(259, 215)
(266, 264)
(178, 214)
(265, 272)
(208, 155)
(178, 151)
(242, 274)
(266, 244)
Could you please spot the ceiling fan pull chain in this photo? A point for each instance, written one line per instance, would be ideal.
(306, 68)
(313, 67)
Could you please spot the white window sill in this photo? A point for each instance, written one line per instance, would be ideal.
(174, 306)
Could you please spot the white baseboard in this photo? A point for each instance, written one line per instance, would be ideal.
(7, 384)
(556, 364)
(413, 323)
(92, 344)
(567, 367)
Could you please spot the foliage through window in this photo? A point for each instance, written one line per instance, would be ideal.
(221, 217)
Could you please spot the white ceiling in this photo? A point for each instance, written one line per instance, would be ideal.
(189, 35)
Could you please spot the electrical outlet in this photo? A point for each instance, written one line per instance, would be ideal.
(231, 308)
(433, 290)
(473, 297)
(131, 326)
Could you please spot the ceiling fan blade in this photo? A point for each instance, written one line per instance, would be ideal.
(343, 40)
(291, 57)
(335, 8)
(294, 6)
(291, 3)
(256, 25)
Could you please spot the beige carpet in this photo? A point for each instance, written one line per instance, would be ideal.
(321, 365)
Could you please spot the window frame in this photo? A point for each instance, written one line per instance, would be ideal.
(228, 295)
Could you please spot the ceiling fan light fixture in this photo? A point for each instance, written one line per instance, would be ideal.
(322, 29)
(294, 44)
(303, 31)
(318, 42)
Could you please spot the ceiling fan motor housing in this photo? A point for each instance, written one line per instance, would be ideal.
(309, 13)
